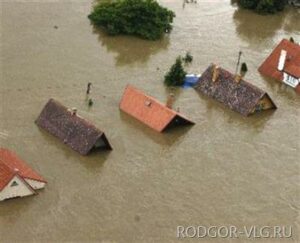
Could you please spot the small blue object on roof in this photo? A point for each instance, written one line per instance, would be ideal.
(190, 80)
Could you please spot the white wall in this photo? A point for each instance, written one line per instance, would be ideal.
(35, 184)
(290, 80)
(21, 190)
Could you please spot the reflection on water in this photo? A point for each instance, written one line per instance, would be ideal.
(169, 137)
(256, 28)
(132, 50)
(292, 21)
(256, 122)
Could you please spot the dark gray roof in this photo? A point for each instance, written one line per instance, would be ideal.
(73, 130)
(240, 96)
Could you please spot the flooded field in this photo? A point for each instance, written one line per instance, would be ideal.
(225, 170)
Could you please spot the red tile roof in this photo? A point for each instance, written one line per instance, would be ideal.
(149, 110)
(292, 65)
(6, 174)
(11, 164)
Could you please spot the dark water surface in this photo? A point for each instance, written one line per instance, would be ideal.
(225, 170)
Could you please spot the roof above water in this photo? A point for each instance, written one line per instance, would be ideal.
(292, 64)
(75, 131)
(241, 97)
(148, 110)
(11, 164)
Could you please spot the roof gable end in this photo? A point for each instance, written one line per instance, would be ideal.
(11, 164)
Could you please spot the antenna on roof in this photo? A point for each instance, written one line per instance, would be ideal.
(238, 62)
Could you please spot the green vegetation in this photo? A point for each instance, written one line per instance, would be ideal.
(142, 18)
(244, 68)
(263, 6)
(90, 102)
(188, 58)
(176, 75)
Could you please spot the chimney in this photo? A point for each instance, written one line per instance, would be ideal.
(74, 111)
(237, 78)
(216, 72)
(282, 60)
(170, 101)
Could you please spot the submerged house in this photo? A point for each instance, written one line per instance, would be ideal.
(233, 91)
(17, 179)
(150, 111)
(73, 130)
(283, 64)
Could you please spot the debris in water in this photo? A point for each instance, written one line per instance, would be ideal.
(90, 102)
(88, 90)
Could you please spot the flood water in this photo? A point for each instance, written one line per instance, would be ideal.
(225, 170)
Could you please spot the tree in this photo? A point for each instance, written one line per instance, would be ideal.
(176, 74)
(244, 69)
(188, 58)
(263, 6)
(142, 18)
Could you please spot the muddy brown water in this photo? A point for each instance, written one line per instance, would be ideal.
(225, 170)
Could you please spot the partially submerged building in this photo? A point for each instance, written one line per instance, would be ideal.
(150, 111)
(233, 91)
(17, 179)
(73, 130)
(283, 64)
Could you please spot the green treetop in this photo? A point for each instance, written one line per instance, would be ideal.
(142, 18)
(263, 6)
(176, 74)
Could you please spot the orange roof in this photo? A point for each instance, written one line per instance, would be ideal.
(148, 110)
(292, 64)
(11, 164)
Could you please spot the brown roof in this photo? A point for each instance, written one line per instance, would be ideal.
(75, 131)
(292, 64)
(149, 110)
(241, 97)
(11, 164)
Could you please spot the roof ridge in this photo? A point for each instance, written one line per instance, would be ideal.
(77, 116)
(245, 82)
(154, 99)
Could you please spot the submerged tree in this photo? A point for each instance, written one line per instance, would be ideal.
(176, 74)
(143, 18)
(188, 58)
(263, 6)
(244, 69)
